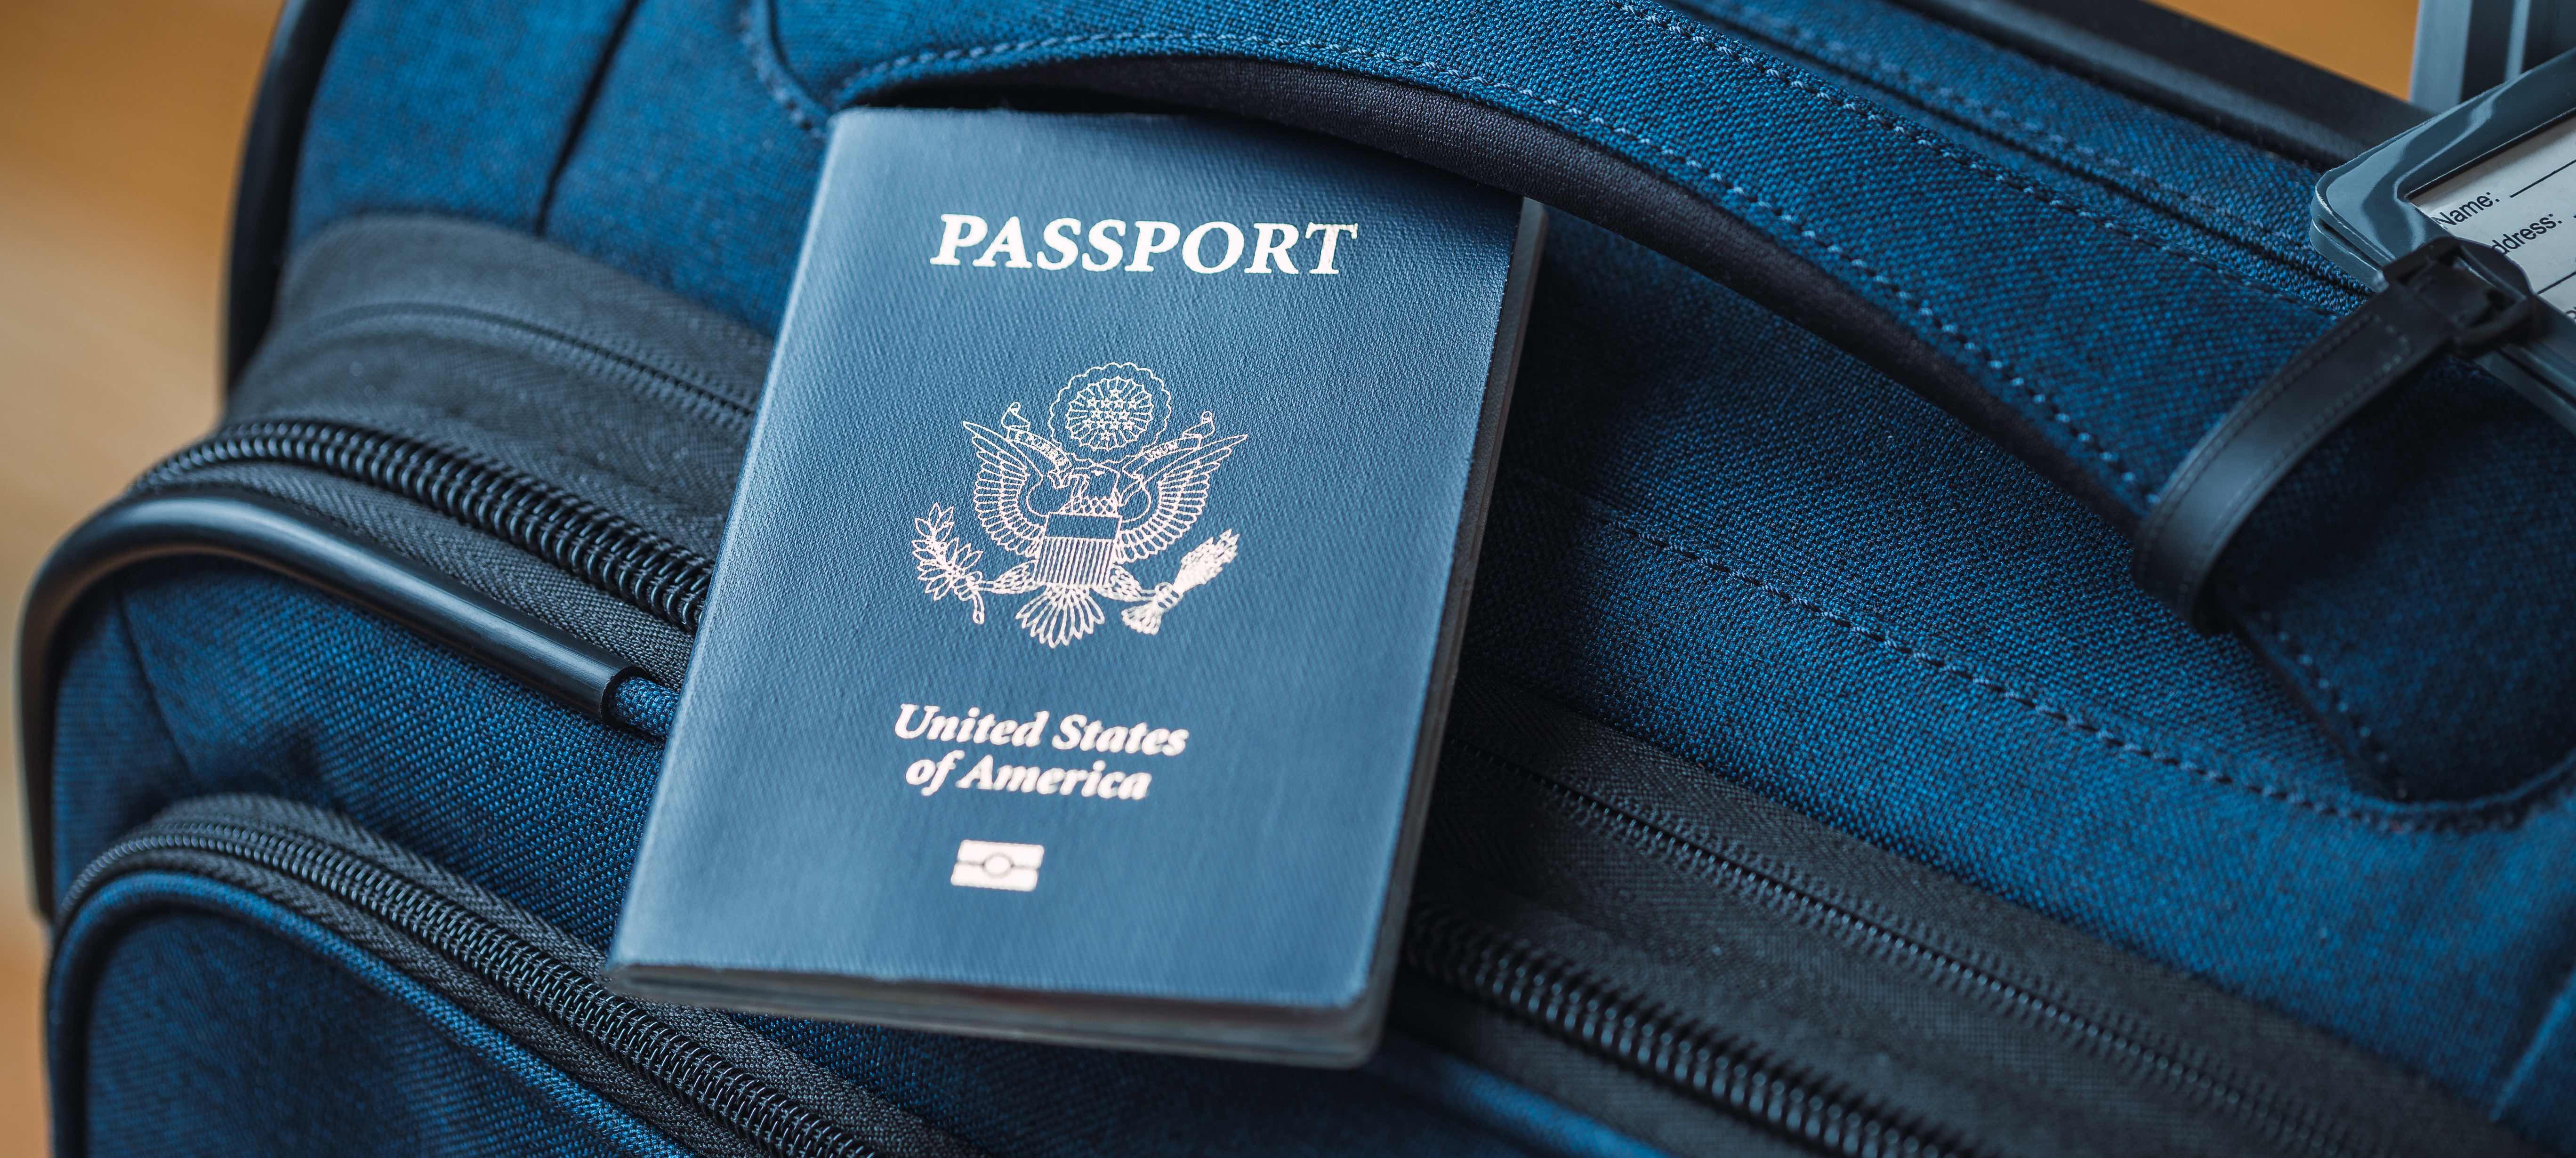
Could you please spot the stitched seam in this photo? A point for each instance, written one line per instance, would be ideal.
(143, 675)
(1685, 844)
(859, 77)
(1674, 25)
(759, 39)
(786, 91)
(2306, 668)
(686, 390)
(2324, 686)
(2505, 816)
(1843, 52)
(2085, 442)
(574, 133)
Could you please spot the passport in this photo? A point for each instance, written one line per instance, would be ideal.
(1083, 626)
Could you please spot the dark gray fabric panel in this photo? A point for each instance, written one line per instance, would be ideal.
(490, 342)
(1929, 997)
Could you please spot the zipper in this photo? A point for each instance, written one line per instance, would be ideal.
(1584, 1010)
(670, 581)
(1566, 1000)
(275, 854)
(596, 545)
(1589, 1012)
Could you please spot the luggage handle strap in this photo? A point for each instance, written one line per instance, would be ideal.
(2449, 296)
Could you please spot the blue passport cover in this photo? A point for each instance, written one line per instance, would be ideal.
(1082, 627)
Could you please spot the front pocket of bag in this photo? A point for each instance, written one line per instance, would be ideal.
(245, 975)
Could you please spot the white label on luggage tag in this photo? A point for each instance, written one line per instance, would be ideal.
(2522, 201)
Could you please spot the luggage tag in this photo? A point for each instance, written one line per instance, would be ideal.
(2498, 172)
(2464, 227)
(1077, 653)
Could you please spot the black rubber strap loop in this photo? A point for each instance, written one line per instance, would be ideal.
(2448, 297)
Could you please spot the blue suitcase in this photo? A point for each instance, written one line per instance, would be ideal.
(1818, 781)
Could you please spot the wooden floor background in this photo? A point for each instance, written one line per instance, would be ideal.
(120, 121)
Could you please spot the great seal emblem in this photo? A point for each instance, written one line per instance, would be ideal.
(1080, 506)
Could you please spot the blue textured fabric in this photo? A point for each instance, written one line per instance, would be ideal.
(257, 686)
(250, 683)
(2133, 274)
(1838, 596)
(644, 705)
(2090, 144)
(485, 102)
(193, 1018)
(1445, 1080)
(2026, 719)
(1712, 531)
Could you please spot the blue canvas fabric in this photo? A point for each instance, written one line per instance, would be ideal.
(244, 682)
(2106, 151)
(1841, 597)
(2133, 274)
(1730, 570)
(1711, 530)
(535, 61)
(194, 1018)
(423, 747)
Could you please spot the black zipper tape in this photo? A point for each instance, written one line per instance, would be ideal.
(1595, 1012)
(596, 545)
(1680, 1051)
(325, 868)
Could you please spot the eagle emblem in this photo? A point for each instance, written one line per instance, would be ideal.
(1079, 505)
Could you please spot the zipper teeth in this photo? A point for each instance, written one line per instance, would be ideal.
(563, 993)
(670, 582)
(2295, 1129)
(1590, 1013)
(598, 546)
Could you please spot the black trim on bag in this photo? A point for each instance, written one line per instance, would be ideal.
(266, 533)
(2449, 297)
